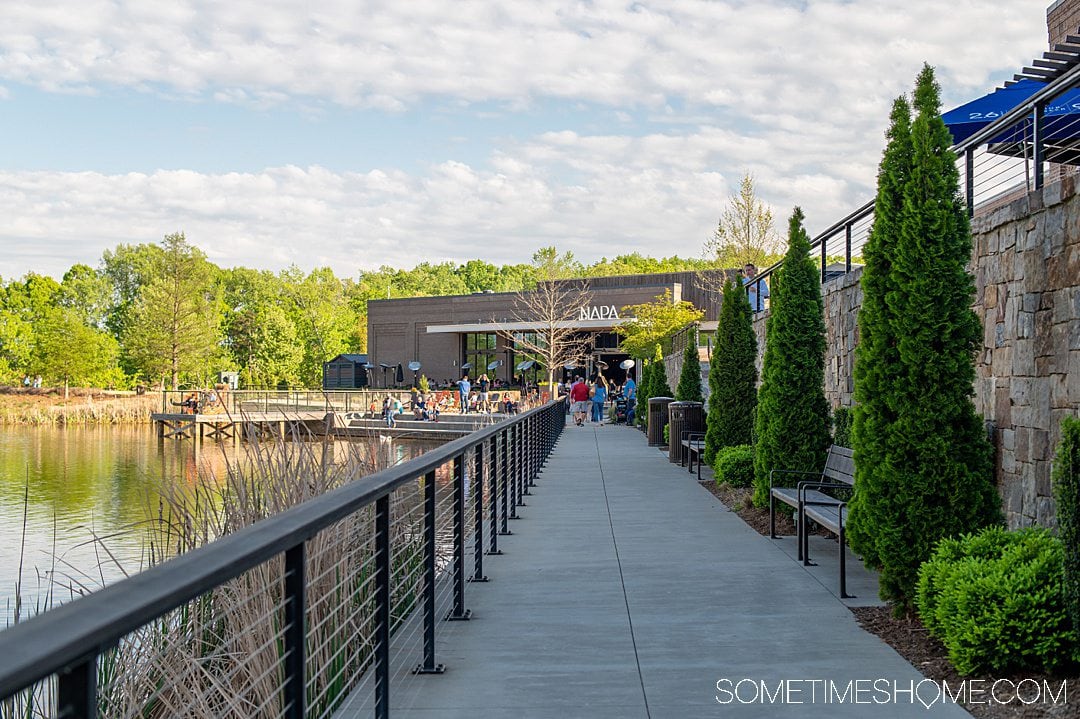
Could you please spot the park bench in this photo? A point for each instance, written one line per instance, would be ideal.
(693, 444)
(811, 501)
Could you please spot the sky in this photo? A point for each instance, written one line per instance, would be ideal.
(360, 133)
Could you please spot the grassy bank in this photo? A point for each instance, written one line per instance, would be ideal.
(47, 406)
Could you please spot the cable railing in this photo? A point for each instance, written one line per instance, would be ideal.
(325, 605)
(1036, 142)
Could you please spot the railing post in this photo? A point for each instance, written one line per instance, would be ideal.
(522, 461)
(382, 607)
(459, 612)
(823, 260)
(494, 497)
(1038, 130)
(506, 483)
(77, 690)
(847, 247)
(478, 503)
(969, 180)
(295, 634)
(429, 666)
(511, 469)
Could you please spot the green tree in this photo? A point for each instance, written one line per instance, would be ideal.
(689, 387)
(732, 376)
(937, 455)
(69, 352)
(877, 361)
(172, 329)
(128, 268)
(1066, 482)
(792, 424)
(261, 338)
(745, 232)
(653, 323)
(653, 384)
(318, 306)
(87, 291)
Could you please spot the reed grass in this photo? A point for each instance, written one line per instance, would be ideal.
(44, 408)
(221, 655)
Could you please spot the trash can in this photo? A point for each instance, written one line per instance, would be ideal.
(683, 417)
(658, 416)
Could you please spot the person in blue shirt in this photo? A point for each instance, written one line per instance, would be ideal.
(630, 393)
(599, 397)
(464, 387)
(757, 299)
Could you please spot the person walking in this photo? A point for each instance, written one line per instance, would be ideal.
(599, 398)
(484, 385)
(388, 411)
(756, 291)
(464, 387)
(579, 397)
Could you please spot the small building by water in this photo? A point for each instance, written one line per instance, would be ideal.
(346, 371)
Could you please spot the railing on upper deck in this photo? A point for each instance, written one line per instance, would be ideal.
(992, 173)
(346, 592)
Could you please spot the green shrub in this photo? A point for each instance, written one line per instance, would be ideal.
(842, 417)
(735, 466)
(732, 375)
(689, 387)
(996, 600)
(1066, 482)
(667, 434)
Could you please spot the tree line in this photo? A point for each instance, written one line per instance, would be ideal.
(164, 314)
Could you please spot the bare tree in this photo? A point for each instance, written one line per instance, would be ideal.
(745, 232)
(543, 328)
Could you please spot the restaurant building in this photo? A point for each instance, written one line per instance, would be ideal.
(454, 334)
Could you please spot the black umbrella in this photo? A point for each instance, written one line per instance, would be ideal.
(399, 374)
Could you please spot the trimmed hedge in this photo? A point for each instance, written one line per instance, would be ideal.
(842, 418)
(996, 600)
(735, 465)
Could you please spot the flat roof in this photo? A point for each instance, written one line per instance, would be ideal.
(466, 327)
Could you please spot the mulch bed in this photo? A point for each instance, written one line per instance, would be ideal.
(907, 636)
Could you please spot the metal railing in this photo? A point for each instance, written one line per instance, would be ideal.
(248, 401)
(1016, 154)
(412, 563)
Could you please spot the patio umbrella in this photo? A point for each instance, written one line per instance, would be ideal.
(399, 374)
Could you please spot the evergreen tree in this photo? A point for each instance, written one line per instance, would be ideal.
(732, 375)
(689, 389)
(1066, 481)
(660, 386)
(876, 358)
(792, 424)
(925, 433)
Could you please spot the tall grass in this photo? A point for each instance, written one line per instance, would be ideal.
(221, 654)
(45, 409)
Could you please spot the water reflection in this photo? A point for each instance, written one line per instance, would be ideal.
(87, 496)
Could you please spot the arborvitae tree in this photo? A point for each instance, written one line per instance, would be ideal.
(792, 424)
(935, 449)
(1066, 481)
(876, 358)
(732, 375)
(660, 386)
(644, 392)
(689, 389)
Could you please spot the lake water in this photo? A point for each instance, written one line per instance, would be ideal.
(75, 503)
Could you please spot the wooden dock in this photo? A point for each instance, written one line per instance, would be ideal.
(234, 427)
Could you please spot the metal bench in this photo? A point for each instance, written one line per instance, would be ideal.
(693, 444)
(811, 502)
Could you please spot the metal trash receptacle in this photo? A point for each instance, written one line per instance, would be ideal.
(683, 417)
(658, 417)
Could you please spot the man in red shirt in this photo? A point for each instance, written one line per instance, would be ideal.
(579, 398)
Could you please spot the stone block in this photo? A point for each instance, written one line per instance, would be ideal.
(1061, 303)
(1008, 440)
(1034, 267)
(1012, 309)
(1073, 381)
(1027, 485)
(1020, 389)
(1032, 300)
(1002, 407)
(1013, 495)
(1044, 335)
(1024, 358)
(1025, 325)
(1001, 363)
(1046, 365)
(1059, 391)
(1023, 444)
(1073, 334)
(1042, 479)
(990, 294)
(1040, 446)
(1046, 513)
(1008, 462)
(1008, 237)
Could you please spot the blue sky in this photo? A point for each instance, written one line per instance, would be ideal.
(362, 134)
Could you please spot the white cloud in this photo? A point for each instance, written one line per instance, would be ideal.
(796, 92)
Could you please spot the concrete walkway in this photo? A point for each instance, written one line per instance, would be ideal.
(627, 590)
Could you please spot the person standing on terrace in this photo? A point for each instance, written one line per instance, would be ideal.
(757, 299)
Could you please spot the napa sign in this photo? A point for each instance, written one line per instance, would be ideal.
(598, 312)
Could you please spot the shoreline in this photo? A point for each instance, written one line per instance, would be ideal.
(85, 406)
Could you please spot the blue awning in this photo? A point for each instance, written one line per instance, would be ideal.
(1062, 114)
